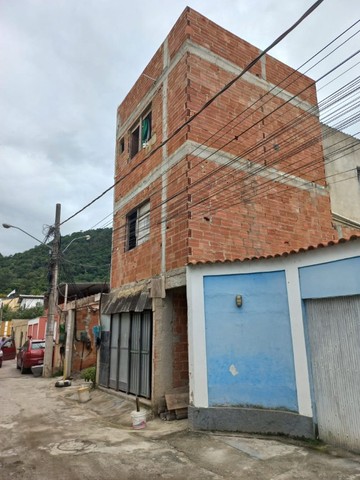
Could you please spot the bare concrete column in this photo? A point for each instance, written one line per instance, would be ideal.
(69, 343)
(162, 344)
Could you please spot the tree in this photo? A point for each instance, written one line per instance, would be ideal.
(84, 261)
(25, 313)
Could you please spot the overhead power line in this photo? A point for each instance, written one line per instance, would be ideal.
(285, 178)
(253, 148)
(206, 105)
(341, 95)
(205, 147)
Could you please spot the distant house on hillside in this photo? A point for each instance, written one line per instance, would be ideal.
(17, 302)
(31, 301)
(21, 301)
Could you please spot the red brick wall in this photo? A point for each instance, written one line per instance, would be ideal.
(83, 357)
(286, 218)
(180, 340)
(179, 33)
(130, 171)
(257, 127)
(208, 34)
(218, 212)
(145, 260)
(142, 85)
(178, 111)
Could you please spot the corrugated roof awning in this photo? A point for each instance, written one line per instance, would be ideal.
(119, 302)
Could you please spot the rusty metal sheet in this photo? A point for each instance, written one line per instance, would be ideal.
(121, 302)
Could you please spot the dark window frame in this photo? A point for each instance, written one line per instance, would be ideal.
(121, 147)
(140, 133)
(138, 226)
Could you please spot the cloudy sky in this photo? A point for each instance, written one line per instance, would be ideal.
(65, 67)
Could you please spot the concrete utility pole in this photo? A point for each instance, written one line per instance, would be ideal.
(53, 296)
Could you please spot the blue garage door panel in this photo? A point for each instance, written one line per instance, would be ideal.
(333, 279)
(249, 349)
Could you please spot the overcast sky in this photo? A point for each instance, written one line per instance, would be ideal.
(65, 67)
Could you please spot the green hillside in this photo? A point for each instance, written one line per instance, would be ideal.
(84, 261)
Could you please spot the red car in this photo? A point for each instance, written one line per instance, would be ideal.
(30, 354)
(8, 350)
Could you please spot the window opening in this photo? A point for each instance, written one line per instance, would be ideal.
(146, 130)
(135, 135)
(138, 222)
(141, 133)
(143, 224)
(132, 230)
(121, 145)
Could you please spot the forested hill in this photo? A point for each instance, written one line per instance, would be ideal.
(83, 261)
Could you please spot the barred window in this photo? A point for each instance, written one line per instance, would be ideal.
(138, 226)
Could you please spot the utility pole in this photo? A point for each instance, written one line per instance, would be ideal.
(53, 296)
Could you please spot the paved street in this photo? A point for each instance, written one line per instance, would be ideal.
(45, 433)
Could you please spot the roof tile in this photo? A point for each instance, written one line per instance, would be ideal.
(277, 255)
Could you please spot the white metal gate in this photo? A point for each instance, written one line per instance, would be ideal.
(334, 339)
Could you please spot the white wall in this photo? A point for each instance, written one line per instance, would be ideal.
(342, 153)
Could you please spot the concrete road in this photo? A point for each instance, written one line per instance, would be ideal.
(45, 433)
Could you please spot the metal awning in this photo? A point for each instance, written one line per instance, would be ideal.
(119, 302)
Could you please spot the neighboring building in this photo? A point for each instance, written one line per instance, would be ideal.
(79, 326)
(342, 168)
(20, 331)
(18, 302)
(80, 347)
(37, 327)
(30, 301)
(5, 328)
(235, 183)
(23, 301)
(274, 344)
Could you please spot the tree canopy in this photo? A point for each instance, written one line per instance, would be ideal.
(84, 261)
(8, 314)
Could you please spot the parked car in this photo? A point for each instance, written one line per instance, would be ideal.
(30, 354)
(9, 350)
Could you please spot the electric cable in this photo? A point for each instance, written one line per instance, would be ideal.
(279, 107)
(206, 104)
(280, 83)
(357, 143)
(279, 185)
(295, 152)
(292, 154)
(300, 167)
(287, 77)
(256, 146)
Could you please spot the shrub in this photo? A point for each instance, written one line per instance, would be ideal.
(89, 375)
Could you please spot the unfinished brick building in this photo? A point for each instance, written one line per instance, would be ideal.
(244, 178)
